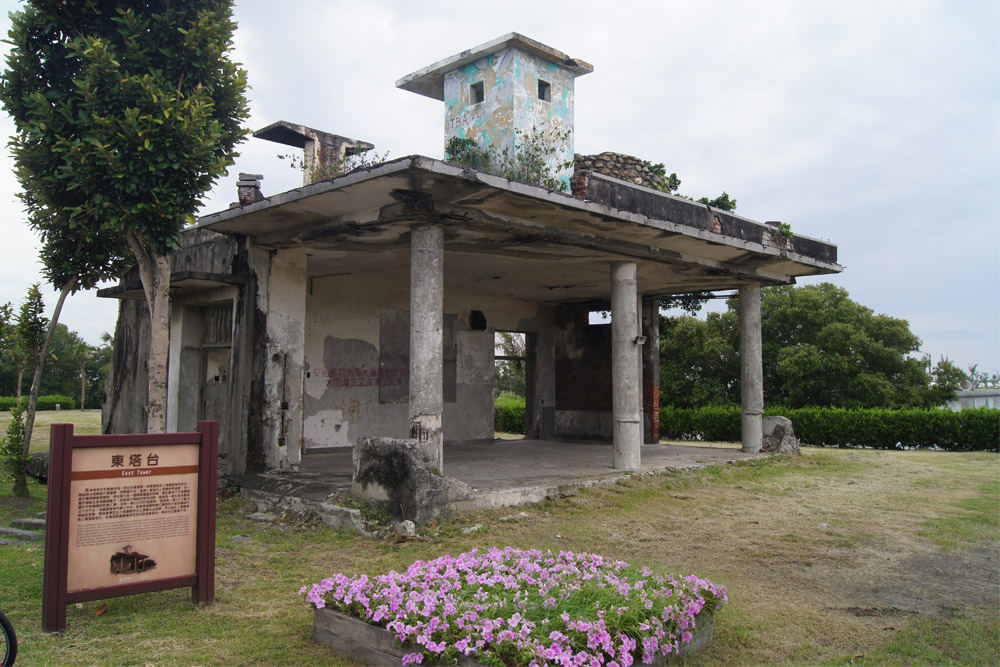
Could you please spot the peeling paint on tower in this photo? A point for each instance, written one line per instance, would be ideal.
(504, 91)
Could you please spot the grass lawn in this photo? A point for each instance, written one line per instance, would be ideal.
(86, 422)
(836, 557)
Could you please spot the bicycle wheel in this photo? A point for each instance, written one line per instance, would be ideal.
(8, 642)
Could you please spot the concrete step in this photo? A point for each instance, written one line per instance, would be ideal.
(28, 524)
(339, 518)
(22, 535)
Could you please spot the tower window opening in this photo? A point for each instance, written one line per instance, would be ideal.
(544, 91)
(477, 93)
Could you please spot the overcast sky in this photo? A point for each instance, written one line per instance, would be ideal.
(874, 124)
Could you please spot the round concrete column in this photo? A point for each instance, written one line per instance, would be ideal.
(426, 341)
(751, 368)
(625, 384)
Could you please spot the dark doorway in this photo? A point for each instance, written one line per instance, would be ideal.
(216, 359)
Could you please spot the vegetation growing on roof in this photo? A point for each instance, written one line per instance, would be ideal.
(530, 162)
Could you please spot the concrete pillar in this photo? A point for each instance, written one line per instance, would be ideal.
(651, 370)
(751, 368)
(284, 301)
(427, 341)
(626, 387)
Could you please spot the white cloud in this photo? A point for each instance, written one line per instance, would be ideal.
(871, 123)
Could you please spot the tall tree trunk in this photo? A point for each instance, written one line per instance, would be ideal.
(36, 383)
(20, 379)
(83, 384)
(155, 273)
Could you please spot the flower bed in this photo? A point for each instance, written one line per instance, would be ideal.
(517, 607)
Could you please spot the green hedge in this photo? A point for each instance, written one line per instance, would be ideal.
(508, 416)
(44, 402)
(967, 430)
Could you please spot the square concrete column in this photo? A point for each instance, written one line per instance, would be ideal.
(626, 386)
(427, 342)
(751, 368)
(651, 370)
(284, 301)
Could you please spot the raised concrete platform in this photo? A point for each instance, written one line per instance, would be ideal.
(502, 472)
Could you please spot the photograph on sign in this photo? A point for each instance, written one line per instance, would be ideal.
(132, 515)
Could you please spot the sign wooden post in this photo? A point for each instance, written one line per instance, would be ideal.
(129, 514)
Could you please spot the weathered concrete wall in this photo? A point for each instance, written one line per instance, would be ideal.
(284, 301)
(541, 372)
(343, 370)
(511, 105)
(583, 373)
(356, 383)
(207, 256)
(184, 367)
(126, 387)
(661, 206)
(208, 379)
(205, 251)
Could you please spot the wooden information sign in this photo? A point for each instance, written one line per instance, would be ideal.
(128, 514)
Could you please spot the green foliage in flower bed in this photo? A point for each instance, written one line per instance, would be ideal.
(526, 607)
(508, 415)
(968, 430)
(44, 402)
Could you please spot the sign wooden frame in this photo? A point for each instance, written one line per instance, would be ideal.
(56, 594)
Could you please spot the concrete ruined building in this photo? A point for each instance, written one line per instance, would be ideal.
(365, 306)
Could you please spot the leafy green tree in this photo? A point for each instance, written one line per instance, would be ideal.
(509, 373)
(62, 366)
(83, 352)
(126, 113)
(6, 334)
(98, 366)
(29, 332)
(699, 364)
(14, 459)
(819, 348)
(948, 379)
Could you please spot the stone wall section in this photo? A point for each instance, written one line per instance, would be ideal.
(616, 165)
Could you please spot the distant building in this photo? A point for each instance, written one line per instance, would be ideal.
(975, 398)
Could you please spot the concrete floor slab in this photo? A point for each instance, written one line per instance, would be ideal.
(503, 472)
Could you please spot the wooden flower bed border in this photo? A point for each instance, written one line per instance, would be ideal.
(373, 645)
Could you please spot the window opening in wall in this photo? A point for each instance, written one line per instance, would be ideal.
(510, 357)
(599, 317)
(217, 325)
(544, 91)
(477, 93)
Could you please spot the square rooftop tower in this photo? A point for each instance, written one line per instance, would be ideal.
(502, 93)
